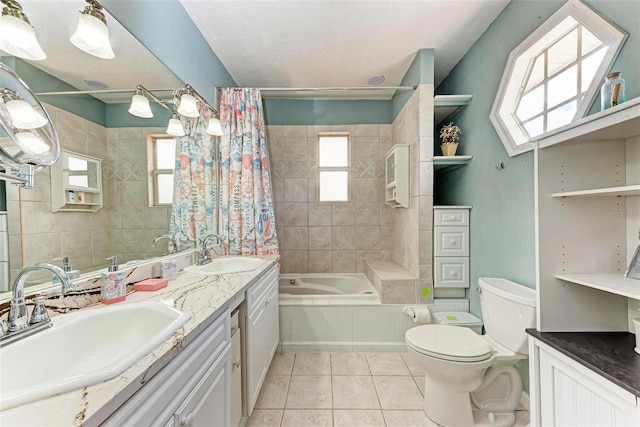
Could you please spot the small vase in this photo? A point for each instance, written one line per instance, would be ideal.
(449, 148)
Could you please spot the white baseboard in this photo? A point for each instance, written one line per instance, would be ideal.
(300, 346)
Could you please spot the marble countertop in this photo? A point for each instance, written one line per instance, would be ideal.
(204, 298)
(609, 354)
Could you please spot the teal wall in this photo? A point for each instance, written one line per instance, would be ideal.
(118, 116)
(326, 112)
(420, 72)
(502, 218)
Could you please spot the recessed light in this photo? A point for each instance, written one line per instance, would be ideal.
(95, 84)
(376, 80)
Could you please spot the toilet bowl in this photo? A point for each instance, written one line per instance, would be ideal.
(470, 379)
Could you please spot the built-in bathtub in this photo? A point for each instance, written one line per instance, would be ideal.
(330, 287)
(342, 312)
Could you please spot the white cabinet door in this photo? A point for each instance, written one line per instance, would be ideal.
(209, 404)
(571, 395)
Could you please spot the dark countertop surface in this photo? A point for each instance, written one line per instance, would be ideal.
(609, 354)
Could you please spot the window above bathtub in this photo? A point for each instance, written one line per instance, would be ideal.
(333, 167)
(553, 76)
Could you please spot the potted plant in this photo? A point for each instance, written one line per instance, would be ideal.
(450, 135)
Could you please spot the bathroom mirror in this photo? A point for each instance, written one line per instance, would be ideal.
(54, 21)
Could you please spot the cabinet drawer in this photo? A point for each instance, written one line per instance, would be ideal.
(259, 290)
(451, 217)
(451, 272)
(451, 241)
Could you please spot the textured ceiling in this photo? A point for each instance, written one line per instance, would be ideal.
(275, 43)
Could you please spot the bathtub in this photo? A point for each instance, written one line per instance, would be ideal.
(329, 287)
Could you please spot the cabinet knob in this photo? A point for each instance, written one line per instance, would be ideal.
(453, 273)
(187, 421)
(453, 241)
(235, 365)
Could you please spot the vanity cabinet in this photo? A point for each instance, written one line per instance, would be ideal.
(76, 183)
(397, 176)
(193, 389)
(573, 395)
(262, 333)
(451, 246)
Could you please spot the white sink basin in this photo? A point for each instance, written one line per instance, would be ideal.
(83, 348)
(226, 264)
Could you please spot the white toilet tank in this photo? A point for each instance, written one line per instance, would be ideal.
(507, 309)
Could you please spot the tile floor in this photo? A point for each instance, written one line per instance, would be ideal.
(344, 389)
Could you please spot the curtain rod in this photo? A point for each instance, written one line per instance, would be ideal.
(321, 89)
(99, 91)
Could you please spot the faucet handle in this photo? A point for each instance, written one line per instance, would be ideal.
(39, 313)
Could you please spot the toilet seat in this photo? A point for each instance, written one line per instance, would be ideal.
(449, 343)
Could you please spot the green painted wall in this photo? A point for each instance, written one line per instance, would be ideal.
(326, 112)
(502, 218)
(118, 116)
(420, 72)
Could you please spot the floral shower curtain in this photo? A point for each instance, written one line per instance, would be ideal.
(193, 215)
(247, 221)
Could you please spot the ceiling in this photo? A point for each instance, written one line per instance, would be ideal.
(277, 43)
(321, 43)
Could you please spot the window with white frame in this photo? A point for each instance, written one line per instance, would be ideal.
(552, 78)
(333, 167)
(161, 155)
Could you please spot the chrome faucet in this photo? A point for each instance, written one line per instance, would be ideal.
(19, 325)
(204, 256)
(172, 249)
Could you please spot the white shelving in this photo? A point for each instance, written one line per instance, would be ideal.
(397, 176)
(628, 190)
(613, 283)
(446, 106)
(76, 183)
(442, 164)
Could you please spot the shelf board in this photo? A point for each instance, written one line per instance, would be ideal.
(447, 105)
(612, 283)
(440, 163)
(629, 190)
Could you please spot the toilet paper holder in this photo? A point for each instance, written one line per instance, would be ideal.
(419, 314)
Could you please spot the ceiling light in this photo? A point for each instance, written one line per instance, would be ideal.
(95, 84)
(376, 80)
(92, 35)
(215, 127)
(188, 106)
(23, 115)
(140, 106)
(17, 36)
(175, 127)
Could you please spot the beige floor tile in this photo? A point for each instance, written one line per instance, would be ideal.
(309, 392)
(349, 364)
(420, 383)
(312, 364)
(308, 418)
(274, 392)
(407, 419)
(396, 392)
(358, 418)
(354, 392)
(265, 418)
(387, 364)
(282, 364)
(413, 365)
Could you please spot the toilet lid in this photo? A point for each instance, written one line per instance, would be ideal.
(448, 342)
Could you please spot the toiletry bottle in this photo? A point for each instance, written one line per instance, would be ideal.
(113, 286)
(613, 91)
(73, 274)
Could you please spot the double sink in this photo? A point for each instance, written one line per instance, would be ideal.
(94, 345)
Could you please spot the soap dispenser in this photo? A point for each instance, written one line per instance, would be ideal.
(113, 286)
(66, 267)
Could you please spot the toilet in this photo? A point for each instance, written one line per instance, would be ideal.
(470, 379)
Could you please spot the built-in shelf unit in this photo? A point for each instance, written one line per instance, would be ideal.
(588, 184)
(446, 106)
(397, 176)
(443, 164)
(76, 183)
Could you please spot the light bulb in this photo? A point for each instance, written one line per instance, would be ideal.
(175, 127)
(215, 127)
(92, 37)
(140, 107)
(188, 106)
(18, 38)
(23, 115)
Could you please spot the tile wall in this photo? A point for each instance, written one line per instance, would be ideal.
(331, 237)
(125, 226)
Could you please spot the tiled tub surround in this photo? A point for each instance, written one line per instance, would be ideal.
(125, 226)
(341, 325)
(204, 298)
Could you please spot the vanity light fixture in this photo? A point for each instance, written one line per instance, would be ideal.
(140, 107)
(23, 115)
(175, 126)
(17, 36)
(187, 98)
(92, 34)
